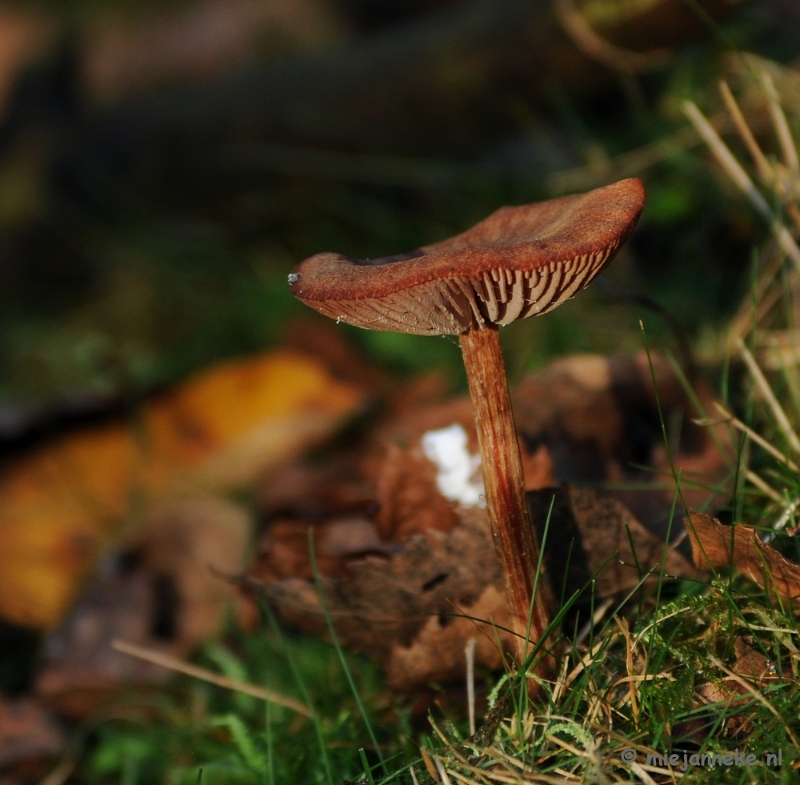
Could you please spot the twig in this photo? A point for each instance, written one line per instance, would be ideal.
(598, 48)
(756, 307)
(626, 633)
(763, 486)
(174, 664)
(470, 654)
(781, 126)
(426, 759)
(642, 774)
(772, 401)
(442, 771)
(742, 180)
(786, 515)
(759, 440)
(764, 167)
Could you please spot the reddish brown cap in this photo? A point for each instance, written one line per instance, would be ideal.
(518, 262)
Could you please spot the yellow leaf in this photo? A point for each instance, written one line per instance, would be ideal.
(61, 505)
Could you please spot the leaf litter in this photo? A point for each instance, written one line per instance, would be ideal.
(120, 530)
(412, 576)
(402, 543)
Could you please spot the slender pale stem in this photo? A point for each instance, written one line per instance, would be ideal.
(514, 536)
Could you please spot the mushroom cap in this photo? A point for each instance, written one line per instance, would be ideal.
(519, 262)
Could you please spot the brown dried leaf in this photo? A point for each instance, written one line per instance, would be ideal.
(437, 652)
(409, 501)
(160, 592)
(392, 589)
(755, 672)
(716, 547)
(605, 530)
(730, 694)
(388, 606)
(416, 605)
(751, 664)
(599, 419)
(29, 734)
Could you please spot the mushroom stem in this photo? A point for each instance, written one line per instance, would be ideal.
(509, 516)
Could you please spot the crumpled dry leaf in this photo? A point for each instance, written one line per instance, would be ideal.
(416, 604)
(60, 505)
(585, 418)
(599, 420)
(408, 499)
(615, 550)
(30, 736)
(396, 606)
(751, 664)
(717, 547)
(162, 591)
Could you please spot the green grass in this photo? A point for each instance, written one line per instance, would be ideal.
(171, 735)
(636, 688)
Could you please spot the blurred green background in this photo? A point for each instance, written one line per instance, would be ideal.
(164, 165)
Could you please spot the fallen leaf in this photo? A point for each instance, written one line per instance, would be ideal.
(599, 418)
(408, 500)
(730, 695)
(30, 736)
(224, 428)
(717, 547)
(749, 674)
(415, 604)
(594, 537)
(437, 652)
(751, 664)
(61, 504)
(397, 590)
(161, 591)
(383, 603)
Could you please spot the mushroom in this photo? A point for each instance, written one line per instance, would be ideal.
(519, 262)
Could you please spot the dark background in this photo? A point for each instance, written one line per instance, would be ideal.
(164, 165)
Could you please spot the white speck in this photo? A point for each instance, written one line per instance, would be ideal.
(293, 278)
(459, 478)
